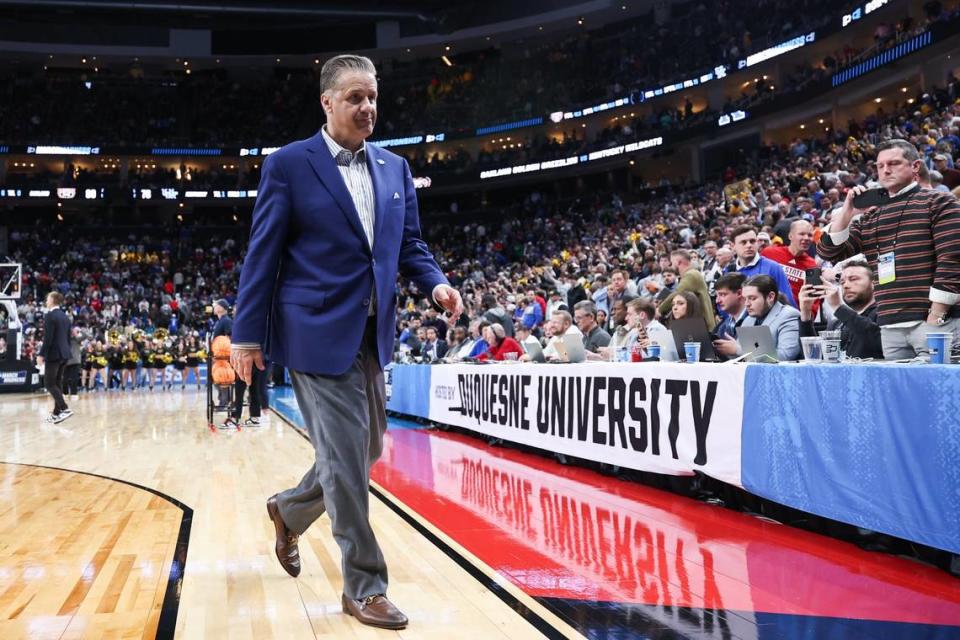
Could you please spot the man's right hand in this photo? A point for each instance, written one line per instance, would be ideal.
(842, 218)
(243, 361)
(726, 346)
(809, 294)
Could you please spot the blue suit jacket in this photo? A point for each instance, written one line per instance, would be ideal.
(307, 277)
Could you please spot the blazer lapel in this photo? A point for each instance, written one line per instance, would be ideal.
(773, 314)
(381, 192)
(326, 169)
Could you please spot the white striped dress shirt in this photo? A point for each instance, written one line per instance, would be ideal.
(356, 175)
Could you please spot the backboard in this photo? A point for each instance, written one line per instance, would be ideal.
(11, 275)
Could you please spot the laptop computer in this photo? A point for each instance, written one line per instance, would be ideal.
(757, 344)
(570, 348)
(693, 330)
(534, 350)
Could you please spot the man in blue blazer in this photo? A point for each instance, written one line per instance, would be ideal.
(335, 221)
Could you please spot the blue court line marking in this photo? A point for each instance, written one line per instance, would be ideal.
(284, 402)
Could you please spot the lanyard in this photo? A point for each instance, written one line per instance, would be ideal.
(876, 227)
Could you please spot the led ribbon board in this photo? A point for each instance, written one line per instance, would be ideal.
(881, 59)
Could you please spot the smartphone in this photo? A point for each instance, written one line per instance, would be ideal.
(871, 198)
(813, 277)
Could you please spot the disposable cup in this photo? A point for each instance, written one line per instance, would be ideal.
(812, 348)
(939, 344)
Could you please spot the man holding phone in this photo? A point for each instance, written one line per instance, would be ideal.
(912, 242)
(795, 257)
(731, 302)
(855, 310)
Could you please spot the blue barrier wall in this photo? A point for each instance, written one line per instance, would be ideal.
(410, 390)
(876, 446)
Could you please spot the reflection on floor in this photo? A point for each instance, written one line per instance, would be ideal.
(621, 560)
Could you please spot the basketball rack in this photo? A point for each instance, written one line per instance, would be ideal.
(229, 393)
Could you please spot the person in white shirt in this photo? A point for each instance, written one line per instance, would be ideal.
(556, 302)
(562, 324)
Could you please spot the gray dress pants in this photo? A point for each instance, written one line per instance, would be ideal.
(345, 416)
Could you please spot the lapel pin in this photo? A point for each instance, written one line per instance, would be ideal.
(396, 196)
(379, 161)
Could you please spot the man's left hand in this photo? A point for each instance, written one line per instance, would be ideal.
(449, 298)
(832, 296)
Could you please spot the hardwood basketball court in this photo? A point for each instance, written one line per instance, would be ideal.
(103, 555)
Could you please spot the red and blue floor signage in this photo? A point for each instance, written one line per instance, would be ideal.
(617, 559)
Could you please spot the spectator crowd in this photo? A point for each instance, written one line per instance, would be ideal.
(732, 253)
(550, 268)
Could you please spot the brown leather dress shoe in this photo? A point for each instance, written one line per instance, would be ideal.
(287, 551)
(375, 611)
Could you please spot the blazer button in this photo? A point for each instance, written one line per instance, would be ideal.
(374, 262)
(366, 302)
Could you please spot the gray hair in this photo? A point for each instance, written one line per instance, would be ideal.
(587, 307)
(909, 151)
(337, 65)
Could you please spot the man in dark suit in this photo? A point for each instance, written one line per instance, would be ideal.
(224, 327)
(54, 355)
(336, 220)
(434, 348)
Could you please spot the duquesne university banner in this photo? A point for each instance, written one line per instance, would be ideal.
(664, 418)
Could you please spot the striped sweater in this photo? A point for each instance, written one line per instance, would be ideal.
(922, 226)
